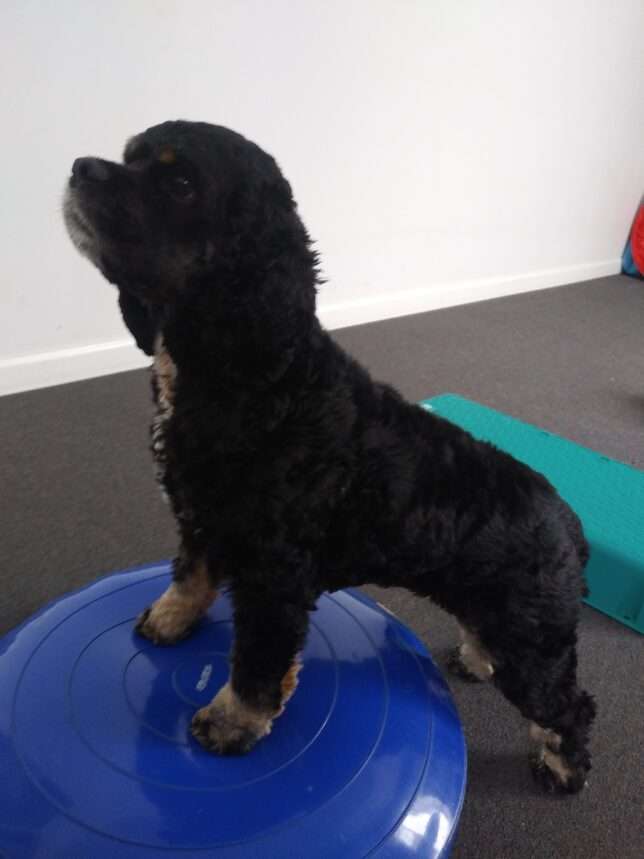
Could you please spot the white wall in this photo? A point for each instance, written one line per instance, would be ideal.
(441, 151)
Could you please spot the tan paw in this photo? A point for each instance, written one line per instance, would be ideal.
(554, 775)
(175, 614)
(160, 628)
(229, 727)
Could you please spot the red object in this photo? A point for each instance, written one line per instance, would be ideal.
(637, 240)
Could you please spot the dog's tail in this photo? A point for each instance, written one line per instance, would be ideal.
(576, 532)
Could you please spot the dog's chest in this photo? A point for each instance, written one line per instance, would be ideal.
(164, 379)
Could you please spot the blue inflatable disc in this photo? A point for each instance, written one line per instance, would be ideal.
(97, 759)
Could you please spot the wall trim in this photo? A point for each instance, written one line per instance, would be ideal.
(70, 365)
(44, 369)
(403, 303)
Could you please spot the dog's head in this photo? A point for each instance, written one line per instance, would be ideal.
(191, 202)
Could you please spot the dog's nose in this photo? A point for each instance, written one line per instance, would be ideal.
(90, 170)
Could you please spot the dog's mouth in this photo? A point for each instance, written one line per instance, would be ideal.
(97, 204)
(94, 222)
(78, 224)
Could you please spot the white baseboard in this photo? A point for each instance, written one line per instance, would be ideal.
(69, 365)
(85, 362)
(403, 303)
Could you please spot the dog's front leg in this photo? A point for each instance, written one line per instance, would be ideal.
(269, 633)
(174, 615)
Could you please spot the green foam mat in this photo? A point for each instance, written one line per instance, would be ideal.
(607, 495)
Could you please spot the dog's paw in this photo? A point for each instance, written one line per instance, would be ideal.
(216, 733)
(553, 776)
(457, 668)
(227, 726)
(163, 627)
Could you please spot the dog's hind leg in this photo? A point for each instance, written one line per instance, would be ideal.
(175, 614)
(470, 660)
(544, 688)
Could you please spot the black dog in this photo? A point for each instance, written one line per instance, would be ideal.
(290, 472)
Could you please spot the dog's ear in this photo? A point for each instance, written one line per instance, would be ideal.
(139, 320)
(278, 192)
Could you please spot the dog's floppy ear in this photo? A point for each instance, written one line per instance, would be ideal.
(139, 320)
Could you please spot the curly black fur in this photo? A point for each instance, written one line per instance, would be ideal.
(288, 468)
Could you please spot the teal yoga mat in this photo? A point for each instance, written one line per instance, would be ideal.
(607, 495)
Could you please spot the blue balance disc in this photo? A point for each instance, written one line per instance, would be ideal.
(97, 760)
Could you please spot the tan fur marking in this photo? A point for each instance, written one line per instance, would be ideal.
(289, 683)
(180, 606)
(550, 743)
(557, 764)
(167, 155)
(166, 373)
(227, 719)
(545, 736)
(474, 656)
(240, 713)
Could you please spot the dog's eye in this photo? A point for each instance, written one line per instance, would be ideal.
(180, 187)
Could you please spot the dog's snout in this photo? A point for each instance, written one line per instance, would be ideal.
(90, 170)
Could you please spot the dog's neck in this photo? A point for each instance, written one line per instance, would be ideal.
(241, 334)
(244, 321)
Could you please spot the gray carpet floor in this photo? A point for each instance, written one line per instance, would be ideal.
(78, 499)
